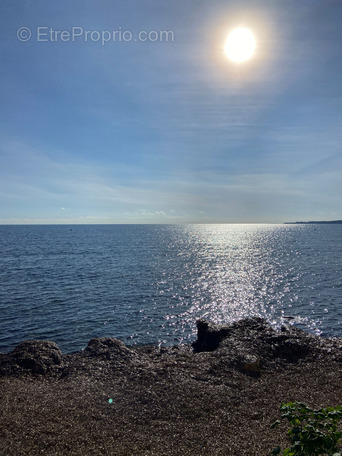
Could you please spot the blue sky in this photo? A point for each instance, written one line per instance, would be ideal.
(170, 131)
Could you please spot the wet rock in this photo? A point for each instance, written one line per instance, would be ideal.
(37, 357)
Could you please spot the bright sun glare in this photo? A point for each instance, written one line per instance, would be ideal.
(240, 45)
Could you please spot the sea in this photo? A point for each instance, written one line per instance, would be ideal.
(148, 284)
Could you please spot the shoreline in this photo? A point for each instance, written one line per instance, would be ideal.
(217, 396)
(287, 321)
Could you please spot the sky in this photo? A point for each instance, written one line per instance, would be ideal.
(129, 111)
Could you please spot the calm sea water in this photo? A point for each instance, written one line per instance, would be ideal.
(149, 283)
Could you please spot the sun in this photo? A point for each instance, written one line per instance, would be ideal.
(240, 45)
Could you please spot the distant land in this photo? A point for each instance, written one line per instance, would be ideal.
(321, 221)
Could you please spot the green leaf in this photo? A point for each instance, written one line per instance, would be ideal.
(288, 452)
(306, 430)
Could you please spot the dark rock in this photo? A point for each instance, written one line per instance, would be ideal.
(209, 336)
(254, 337)
(250, 326)
(110, 349)
(37, 357)
(291, 349)
(249, 346)
(113, 353)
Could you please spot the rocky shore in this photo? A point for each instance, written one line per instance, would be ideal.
(217, 396)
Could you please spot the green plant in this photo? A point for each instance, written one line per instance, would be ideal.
(312, 432)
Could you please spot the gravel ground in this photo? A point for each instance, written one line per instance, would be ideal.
(114, 400)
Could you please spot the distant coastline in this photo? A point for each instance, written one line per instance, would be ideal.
(314, 222)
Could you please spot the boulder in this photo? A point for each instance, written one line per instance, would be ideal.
(37, 357)
(108, 348)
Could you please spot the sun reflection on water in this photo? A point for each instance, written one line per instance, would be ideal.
(233, 272)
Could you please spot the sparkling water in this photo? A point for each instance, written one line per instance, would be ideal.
(150, 283)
